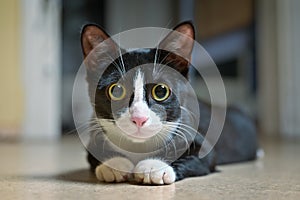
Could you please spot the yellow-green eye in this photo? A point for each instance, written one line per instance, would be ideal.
(116, 92)
(160, 92)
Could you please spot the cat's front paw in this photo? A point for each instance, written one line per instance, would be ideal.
(152, 171)
(117, 169)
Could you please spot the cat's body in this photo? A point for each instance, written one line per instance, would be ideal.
(143, 118)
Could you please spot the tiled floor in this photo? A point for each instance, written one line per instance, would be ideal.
(59, 171)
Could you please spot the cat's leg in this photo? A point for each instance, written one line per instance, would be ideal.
(154, 171)
(116, 169)
(92, 161)
(189, 166)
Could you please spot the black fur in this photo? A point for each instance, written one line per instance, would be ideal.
(111, 75)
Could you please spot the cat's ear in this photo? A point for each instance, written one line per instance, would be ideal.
(95, 38)
(91, 36)
(180, 41)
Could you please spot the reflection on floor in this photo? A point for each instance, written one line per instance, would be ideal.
(59, 171)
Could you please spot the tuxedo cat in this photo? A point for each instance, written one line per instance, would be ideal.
(139, 126)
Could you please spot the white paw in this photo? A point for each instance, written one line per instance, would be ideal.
(117, 169)
(153, 171)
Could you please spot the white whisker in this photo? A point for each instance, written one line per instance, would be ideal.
(121, 57)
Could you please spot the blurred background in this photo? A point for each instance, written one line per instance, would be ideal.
(253, 42)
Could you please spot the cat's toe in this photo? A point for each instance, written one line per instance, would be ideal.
(116, 169)
(153, 171)
(169, 175)
(104, 173)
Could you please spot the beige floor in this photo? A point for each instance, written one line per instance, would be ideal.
(59, 171)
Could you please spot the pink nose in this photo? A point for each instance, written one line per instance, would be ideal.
(139, 121)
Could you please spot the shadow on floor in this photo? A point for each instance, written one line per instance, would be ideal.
(80, 175)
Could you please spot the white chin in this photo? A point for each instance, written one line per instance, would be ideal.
(138, 140)
(139, 137)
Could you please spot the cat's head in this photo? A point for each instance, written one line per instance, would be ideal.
(140, 94)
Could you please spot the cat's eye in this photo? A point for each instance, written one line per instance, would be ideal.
(160, 92)
(116, 92)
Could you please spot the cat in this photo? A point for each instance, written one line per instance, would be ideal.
(151, 114)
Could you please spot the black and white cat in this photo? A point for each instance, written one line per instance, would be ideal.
(146, 115)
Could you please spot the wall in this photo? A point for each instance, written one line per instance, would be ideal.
(11, 103)
(129, 14)
(278, 67)
(288, 29)
(267, 66)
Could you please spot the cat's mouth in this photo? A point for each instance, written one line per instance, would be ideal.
(138, 128)
(142, 135)
(128, 130)
(138, 137)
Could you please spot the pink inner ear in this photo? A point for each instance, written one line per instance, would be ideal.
(187, 30)
(91, 36)
(180, 43)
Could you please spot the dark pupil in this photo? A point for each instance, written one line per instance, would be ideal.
(117, 91)
(160, 91)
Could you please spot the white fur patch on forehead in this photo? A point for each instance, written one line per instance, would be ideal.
(139, 87)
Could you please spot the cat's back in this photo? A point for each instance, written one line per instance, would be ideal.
(238, 140)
